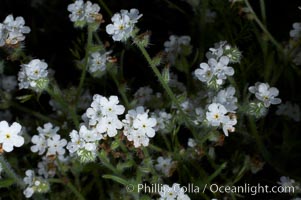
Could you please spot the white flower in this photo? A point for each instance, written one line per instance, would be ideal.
(191, 142)
(89, 135)
(98, 62)
(83, 12)
(226, 98)
(145, 125)
(40, 144)
(110, 108)
(77, 10)
(221, 70)
(10, 136)
(296, 32)
(138, 127)
(228, 125)
(34, 184)
(139, 138)
(123, 24)
(205, 73)
(264, 93)
(109, 125)
(84, 143)
(76, 142)
(33, 75)
(91, 11)
(12, 30)
(56, 145)
(216, 114)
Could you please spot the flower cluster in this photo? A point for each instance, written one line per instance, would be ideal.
(12, 30)
(10, 136)
(98, 62)
(33, 75)
(82, 13)
(123, 24)
(217, 116)
(216, 70)
(103, 115)
(84, 143)
(34, 184)
(48, 141)
(138, 127)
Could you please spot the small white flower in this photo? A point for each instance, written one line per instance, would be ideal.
(145, 124)
(40, 144)
(123, 24)
(98, 62)
(10, 136)
(205, 73)
(56, 145)
(12, 30)
(76, 142)
(138, 127)
(83, 12)
(91, 11)
(191, 142)
(110, 108)
(226, 98)
(77, 10)
(109, 125)
(265, 93)
(33, 75)
(216, 114)
(221, 70)
(228, 125)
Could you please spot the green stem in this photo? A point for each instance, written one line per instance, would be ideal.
(104, 5)
(264, 29)
(171, 95)
(69, 185)
(10, 172)
(159, 76)
(86, 62)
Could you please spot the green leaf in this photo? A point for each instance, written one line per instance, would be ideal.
(116, 179)
(4, 183)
